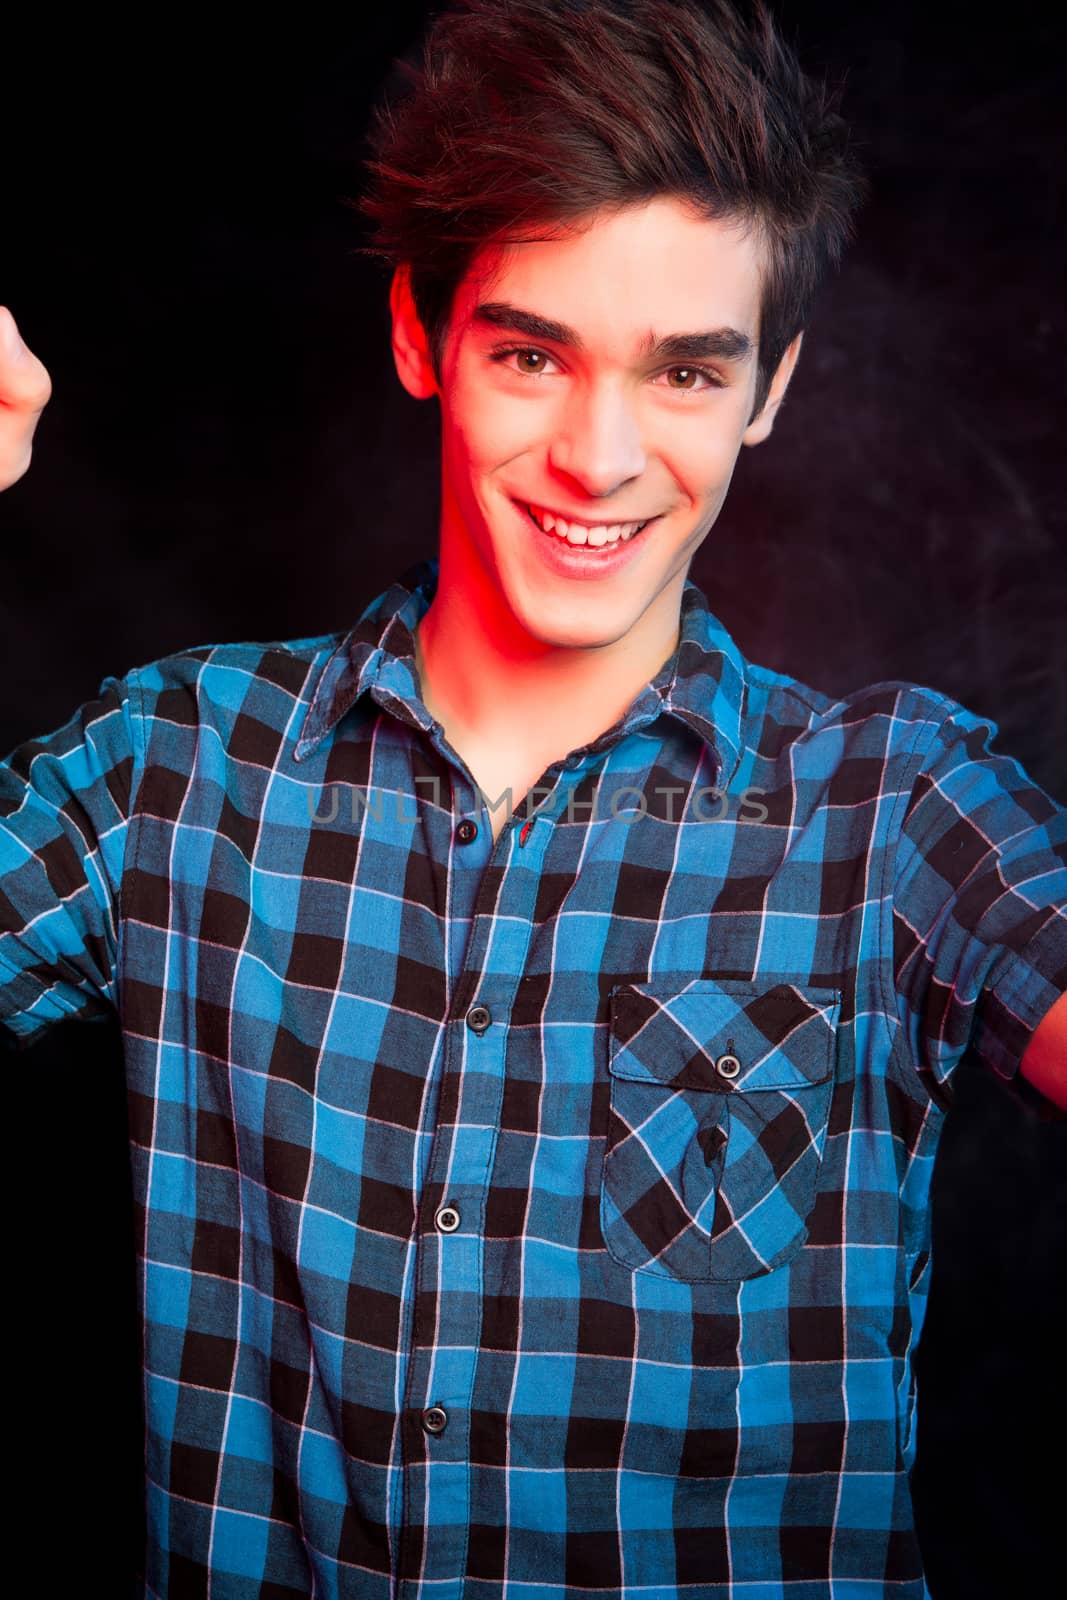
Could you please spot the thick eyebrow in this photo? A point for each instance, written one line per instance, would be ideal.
(722, 344)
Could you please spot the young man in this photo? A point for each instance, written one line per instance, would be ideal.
(533, 1196)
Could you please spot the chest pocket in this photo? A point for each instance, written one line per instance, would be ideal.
(720, 1096)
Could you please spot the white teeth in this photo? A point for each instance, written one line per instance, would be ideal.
(576, 534)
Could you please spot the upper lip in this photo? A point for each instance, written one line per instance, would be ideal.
(578, 516)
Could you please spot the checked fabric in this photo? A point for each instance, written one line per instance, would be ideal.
(542, 1219)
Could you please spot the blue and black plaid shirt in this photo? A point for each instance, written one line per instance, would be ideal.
(543, 1218)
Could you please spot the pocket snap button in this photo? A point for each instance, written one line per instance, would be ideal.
(728, 1066)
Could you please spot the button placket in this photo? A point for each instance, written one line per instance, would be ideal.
(444, 1329)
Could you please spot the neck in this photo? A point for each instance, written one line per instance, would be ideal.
(485, 678)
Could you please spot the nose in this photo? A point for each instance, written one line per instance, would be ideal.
(597, 442)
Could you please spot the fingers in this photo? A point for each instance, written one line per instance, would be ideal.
(25, 390)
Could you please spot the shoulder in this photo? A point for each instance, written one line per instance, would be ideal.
(264, 678)
(893, 716)
(907, 744)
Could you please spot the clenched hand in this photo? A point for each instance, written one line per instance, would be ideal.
(25, 390)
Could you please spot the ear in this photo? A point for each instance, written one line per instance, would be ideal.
(410, 349)
(760, 426)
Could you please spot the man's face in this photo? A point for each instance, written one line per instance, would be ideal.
(606, 432)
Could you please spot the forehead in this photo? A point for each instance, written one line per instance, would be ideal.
(620, 276)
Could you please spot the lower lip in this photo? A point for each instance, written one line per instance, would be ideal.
(580, 560)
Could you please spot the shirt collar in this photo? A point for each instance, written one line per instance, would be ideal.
(703, 684)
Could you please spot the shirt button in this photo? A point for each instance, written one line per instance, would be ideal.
(728, 1066)
(434, 1420)
(447, 1219)
(479, 1018)
(467, 831)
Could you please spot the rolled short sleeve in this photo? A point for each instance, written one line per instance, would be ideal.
(65, 804)
(979, 902)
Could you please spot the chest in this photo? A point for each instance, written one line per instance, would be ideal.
(505, 776)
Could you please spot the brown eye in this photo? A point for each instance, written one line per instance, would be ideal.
(711, 380)
(515, 351)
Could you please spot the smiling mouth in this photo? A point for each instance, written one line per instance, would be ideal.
(578, 536)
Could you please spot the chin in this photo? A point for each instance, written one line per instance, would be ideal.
(584, 633)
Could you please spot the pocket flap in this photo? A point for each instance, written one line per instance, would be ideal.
(781, 1034)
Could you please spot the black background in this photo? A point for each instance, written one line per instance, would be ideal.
(230, 455)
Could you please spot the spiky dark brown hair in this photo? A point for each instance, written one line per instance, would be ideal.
(526, 118)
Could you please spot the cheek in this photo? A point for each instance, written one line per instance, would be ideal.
(481, 436)
(703, 460)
